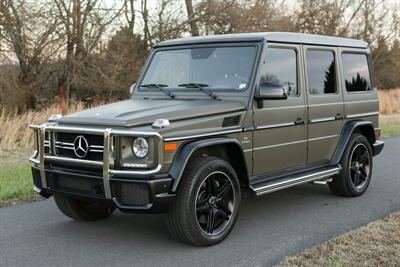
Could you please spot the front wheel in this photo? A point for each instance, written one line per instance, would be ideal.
(207, 202)
(356, 174)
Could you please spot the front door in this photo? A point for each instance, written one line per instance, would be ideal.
(325, 102)
(280, 136)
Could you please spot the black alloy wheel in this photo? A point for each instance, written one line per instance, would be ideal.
(360, 165)
(215, 203)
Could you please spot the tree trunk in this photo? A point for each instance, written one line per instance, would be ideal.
(193, 26)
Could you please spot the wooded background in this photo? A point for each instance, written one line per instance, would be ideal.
(93, 50)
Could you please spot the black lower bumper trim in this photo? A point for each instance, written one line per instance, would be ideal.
(378, 146)
(128, 194)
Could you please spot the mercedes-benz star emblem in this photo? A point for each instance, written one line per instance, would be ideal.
(81, 146)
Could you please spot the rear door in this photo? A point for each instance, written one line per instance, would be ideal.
(325, 102)
(280, 136)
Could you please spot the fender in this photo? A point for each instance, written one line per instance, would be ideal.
(347, 131)
(183, 155)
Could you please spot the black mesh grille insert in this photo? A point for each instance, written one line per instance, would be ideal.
(231, 121)
(80, 185)
(132, 193)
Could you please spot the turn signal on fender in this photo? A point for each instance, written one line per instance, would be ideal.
(170, 147)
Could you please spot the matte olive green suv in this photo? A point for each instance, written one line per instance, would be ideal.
(211, 117)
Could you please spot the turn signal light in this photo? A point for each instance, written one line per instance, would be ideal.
(377, 133)
(170, 147)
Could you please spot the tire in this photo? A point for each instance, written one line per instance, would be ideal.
(356, 163)
(207, 202)
(82, 210)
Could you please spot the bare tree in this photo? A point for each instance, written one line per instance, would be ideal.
(191, 18)
(29, 31)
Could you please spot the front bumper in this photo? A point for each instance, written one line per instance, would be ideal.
(129, 190)
(133, 194)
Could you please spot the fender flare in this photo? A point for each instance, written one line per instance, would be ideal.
(347, 131)
(184, 154)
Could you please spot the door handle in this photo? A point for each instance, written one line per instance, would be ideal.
(299, 121)
(339, 116)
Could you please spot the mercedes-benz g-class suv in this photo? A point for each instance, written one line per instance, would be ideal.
(211, 117)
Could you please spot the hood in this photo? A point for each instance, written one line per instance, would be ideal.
(131, 113)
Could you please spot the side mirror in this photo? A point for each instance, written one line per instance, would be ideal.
(270, 91)
(131, 88)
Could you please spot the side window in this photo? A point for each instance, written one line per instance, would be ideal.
(321, 72)
(356, 72)
(280, 70)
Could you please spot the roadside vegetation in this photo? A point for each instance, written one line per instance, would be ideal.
(16, 184)
(376, 244)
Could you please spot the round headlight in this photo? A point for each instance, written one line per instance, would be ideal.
(140, 147)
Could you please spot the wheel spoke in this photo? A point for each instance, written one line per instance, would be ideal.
(224, 208)
(211, 188)
(210, 221)
(223, 190)
(353, 166)
(221, 213)
(363, 174)
(364, 157)
(201, 206)
(356, 178)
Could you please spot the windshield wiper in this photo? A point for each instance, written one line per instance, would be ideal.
(200, 86)
(160, 87)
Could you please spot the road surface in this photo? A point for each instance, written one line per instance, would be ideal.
(269, 228)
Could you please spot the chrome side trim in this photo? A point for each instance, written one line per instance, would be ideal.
(323, 137)
(106, 163)
(326, 104)
(281, 144)
(362, 101)
(356, 115)
(168, 139)
(322, 119)
(276, 125)
(296, 181)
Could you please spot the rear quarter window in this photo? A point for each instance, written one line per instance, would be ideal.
(356, 72)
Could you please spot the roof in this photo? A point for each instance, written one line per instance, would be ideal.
(285, 37)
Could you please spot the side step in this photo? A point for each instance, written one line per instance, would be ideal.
(270, 186)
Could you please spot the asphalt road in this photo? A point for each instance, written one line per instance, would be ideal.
(269, 228)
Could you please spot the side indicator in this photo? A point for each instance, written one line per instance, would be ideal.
(170, 147)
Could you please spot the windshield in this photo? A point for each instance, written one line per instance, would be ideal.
(223, 68)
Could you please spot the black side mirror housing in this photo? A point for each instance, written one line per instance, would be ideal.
(268, 91)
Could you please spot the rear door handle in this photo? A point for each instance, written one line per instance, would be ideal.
(339, 116)
(299, 121)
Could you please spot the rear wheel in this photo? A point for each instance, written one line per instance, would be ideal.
(83, 210)
(356, 174)
(207, 202)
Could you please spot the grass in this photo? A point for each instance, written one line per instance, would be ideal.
(376, 244)
(16, 184)
(390, 125)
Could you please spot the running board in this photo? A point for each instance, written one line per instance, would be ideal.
(292, 180)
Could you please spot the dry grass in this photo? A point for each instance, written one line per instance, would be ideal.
(15, 132)
(389, 101)
(376, 244)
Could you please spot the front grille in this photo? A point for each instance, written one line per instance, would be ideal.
(64, 145)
